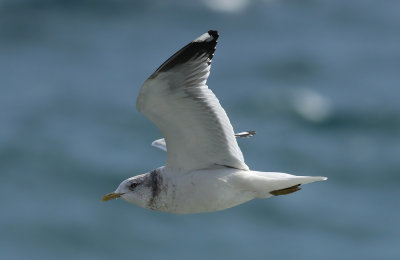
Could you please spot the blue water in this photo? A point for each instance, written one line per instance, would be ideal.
(318, 80)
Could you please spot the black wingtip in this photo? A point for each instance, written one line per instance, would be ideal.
(252, 132)
(214, 34)
(203, 45)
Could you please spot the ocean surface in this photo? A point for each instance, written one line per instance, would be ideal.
(318, 80)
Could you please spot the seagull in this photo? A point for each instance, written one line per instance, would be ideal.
(205, 169)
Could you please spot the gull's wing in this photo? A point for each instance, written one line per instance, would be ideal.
(160, 143)
(176, 99)
(246, 134)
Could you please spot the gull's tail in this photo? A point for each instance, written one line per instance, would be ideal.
(301, 180)
(276, 183)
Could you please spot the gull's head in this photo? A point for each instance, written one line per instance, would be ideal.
(136, 190)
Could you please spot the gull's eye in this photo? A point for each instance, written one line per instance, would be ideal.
(133, 185)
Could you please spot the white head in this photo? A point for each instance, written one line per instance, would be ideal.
(139, 190)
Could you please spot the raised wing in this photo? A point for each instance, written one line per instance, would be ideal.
(160, 143)
(176, 99)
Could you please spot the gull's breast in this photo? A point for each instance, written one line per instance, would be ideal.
(199, 191)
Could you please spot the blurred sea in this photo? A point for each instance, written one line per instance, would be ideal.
(318, 80)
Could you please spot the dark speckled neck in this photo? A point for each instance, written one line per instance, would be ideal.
(155, 182)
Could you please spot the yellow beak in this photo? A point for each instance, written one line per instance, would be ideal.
(111, 196)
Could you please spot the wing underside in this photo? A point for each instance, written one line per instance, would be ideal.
(197, 131)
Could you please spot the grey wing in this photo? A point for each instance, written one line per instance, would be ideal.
(197, 130)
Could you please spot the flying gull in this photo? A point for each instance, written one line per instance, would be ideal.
(205, 169)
